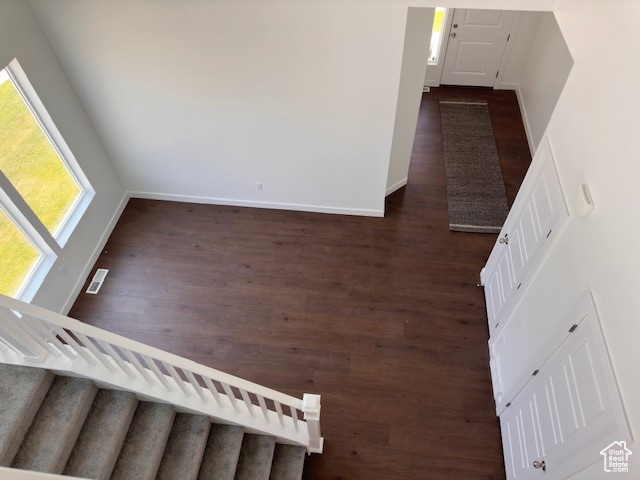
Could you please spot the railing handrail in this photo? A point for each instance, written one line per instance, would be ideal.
(37, 336)
(137, 347)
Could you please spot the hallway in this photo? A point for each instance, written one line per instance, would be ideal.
(381, 316)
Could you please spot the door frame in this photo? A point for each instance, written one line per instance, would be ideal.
(436, 69)
(506, 55)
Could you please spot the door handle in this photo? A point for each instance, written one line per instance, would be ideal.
(453, 35)
(541, 465)
(505, 239)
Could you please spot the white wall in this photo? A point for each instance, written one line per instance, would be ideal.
(414, 65)
(594, 136)
(200, 100)
(543, 77)
(537, 68)
(203, 99)
(22, 38)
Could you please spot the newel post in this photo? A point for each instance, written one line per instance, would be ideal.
(311, 410)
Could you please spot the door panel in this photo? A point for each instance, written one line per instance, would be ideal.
(542, 202)
(493, 298)
(564, 405)
(473, 57)
(517, 252)
(531, 449)
(476, 44)
(528, 225)
(483, 18)
(500, 289)
(589, 396)
(544, 419)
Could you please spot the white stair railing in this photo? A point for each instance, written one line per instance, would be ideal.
(31, 335)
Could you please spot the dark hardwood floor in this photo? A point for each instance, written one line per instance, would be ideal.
(381, 316)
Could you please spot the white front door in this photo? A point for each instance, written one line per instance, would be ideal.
(477, 40)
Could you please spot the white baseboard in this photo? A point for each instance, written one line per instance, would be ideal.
(94, 256)
(250, 203)
(396, 186)
(525, 120)
(505, 86)
(523, 111)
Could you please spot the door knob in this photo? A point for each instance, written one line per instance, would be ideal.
(455, 25)
(541, 465)
(505, 239)
(453, 35)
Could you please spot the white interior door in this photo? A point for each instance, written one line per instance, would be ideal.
(569, 411)
(477, 40)
(538, 212)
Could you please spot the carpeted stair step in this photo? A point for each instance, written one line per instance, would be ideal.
(22, 390)
(48, 443)
(221, 454)
(96, 450)
(185, 447)
(256, 456)
(144, 444)
(288, 462)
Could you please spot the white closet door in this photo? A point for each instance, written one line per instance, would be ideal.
(568, 412)
(538, 211)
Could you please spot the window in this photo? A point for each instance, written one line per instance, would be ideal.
(43, 192)
(439, 21)
(18, 256)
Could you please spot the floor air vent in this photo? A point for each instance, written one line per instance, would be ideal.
(97, 280)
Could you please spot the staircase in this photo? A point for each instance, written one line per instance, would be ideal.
(69, 426)
(78, 401)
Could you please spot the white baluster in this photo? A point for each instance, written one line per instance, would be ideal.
(263, 406)
(61, 332)
(247, 401)
(116, 358)
(32, 330)
(279, 411)
(214, 391)
(230, 395)
(194, 383)
(96, 353)
(172, 371)
(154, 368)
(136, 363)
(15, 337)
(45, 331)
(294, 417)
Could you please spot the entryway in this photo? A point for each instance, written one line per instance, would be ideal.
(476, 46)
(524, 52)
(504, 49)
(470, 47)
